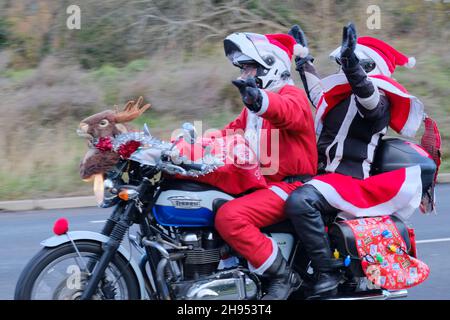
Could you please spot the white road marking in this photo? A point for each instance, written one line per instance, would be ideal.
(433, 240)
(97, 221)
(418, 241)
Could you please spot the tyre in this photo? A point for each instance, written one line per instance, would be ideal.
(58, 273)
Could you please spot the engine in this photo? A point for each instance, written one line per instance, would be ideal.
(204, 257)
(202, 279)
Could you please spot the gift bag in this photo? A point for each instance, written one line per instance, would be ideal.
(384, 255)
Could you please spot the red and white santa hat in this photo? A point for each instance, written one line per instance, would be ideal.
(257, 46)
(287, 43)
(385, 56)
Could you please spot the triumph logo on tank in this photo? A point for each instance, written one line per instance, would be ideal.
(183, 202)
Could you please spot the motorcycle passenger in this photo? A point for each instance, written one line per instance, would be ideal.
(354, 109)
(275, 106)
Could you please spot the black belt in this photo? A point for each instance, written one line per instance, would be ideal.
(302, 178)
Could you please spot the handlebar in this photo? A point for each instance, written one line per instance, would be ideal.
(193, 166)
(168, 159)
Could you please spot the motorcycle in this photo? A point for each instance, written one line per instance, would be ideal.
(182, 257)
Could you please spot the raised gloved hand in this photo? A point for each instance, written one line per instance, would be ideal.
(348, 56)
(297, 33)
(251, 95)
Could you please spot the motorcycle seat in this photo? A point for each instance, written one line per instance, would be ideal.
(284, 226)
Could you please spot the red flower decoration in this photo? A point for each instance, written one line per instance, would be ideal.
(104, 144)
(127, 149)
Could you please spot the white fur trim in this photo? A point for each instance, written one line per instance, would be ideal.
(253, 132)
(300, 51)
(414, 203)
(387, 86)
(371, 102)
(266, 265)
(415, 117)
(279, 192)
(411, 63)
(362, 51)
(330, 82)
(416, 110)
(264, 104)
(333, 80)
(404, 202)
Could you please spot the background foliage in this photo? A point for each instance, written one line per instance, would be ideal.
(171, 53)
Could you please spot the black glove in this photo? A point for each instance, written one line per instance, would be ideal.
(348, 56)
(251, 96)
(297, 33)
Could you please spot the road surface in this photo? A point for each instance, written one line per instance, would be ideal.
(21, 233)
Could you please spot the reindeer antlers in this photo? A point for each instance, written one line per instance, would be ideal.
(131, 111)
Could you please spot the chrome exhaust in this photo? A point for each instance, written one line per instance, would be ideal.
(378, 295)
(397, 294)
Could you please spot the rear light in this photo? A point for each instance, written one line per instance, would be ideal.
(412, 239)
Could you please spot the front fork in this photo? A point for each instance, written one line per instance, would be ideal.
(117, 230)
(106, 231)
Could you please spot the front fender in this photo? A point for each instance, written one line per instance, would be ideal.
(97, 237)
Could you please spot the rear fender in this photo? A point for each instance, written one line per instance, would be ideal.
(97, 237)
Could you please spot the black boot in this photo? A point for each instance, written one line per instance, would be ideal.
(282, 280)
(327, 281)
(305, 207)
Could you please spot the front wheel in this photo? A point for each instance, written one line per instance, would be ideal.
(58, 273)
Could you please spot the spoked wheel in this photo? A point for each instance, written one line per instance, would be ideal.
(58, 273)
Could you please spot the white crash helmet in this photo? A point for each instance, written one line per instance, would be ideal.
(271, 53)
(377, 56)
(366, 61)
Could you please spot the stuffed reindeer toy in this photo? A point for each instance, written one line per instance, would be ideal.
(99, 129)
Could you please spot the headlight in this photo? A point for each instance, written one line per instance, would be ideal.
(108, 185)
(104, 191)
(98, 188)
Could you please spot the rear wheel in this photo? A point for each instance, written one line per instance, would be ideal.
(58, 273)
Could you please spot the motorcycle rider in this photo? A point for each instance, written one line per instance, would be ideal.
(274, 105)
(354, 109)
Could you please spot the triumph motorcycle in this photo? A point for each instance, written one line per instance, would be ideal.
(177, 254)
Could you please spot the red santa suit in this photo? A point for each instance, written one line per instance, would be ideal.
(397, 191)
(282, 135)
(288, 115)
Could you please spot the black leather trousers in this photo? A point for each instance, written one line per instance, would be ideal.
(307, 209)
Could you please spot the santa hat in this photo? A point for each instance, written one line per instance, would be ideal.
(288, 44)
(390, 55)
(385, 56)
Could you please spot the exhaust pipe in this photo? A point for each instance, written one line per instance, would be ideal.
(377, 295)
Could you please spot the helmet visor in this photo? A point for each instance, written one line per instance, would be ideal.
(245, 44)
